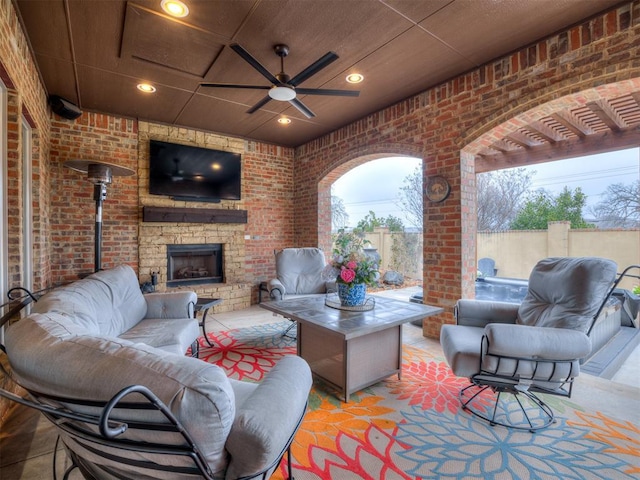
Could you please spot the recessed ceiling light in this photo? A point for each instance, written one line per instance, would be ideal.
(355, 78)
(146, 87)
(284, 121)
(175, 8)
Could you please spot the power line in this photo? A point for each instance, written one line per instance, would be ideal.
(597, 174)
(574, 181)
(367, 202)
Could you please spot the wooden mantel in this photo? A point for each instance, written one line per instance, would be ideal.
(193, 215)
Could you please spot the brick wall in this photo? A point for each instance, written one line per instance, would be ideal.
(447, 125)
(268, 192)
(267, 186)
(103, 138)
(26, 99)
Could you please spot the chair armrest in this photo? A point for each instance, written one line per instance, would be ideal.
(478, 313)
(267, 420)
(276, 289)
(170, 304)
(536, 343)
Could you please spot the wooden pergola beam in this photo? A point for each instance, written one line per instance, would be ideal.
(590, 145)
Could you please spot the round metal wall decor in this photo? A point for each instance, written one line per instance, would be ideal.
(437, 188)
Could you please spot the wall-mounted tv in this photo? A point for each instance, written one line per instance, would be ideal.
(196, 174)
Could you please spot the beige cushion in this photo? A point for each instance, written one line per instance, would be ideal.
(566, 292)
(262, 430)
(50, 355)
(300, 270)
(108, 302)
(171, 334)
(461, 347)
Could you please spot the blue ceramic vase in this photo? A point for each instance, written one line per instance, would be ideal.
(352, 295)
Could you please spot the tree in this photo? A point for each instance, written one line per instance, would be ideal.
(339, 215)
(501, 195)
(544, 208)
(410, 198)
(371, 221)
(620, 206)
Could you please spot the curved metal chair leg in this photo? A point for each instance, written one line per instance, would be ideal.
(68, 471)
(289, 328)
(289, 467)
(531, 415)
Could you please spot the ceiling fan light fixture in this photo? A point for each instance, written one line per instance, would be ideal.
(282, 93)
(175, 8)
(355, 78)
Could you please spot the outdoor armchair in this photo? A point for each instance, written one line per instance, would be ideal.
(299, 272)
(532, 347)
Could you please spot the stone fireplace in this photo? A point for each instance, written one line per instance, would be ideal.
(166, 224)
(195, 264)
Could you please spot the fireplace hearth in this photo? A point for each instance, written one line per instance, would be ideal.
(194, 264)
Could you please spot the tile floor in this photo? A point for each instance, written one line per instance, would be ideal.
(27, 440)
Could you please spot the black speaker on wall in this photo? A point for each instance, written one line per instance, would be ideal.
(64, 108)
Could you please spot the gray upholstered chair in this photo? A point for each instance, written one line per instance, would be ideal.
(534, 347)
(299, 272)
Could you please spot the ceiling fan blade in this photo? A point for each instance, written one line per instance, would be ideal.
(324, 91)
(254, 63)
(260, 104)
(302, 108)
(232, 85)
(314, 68)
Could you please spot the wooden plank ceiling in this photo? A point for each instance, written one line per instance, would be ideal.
(94, 52)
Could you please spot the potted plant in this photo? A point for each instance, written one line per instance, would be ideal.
(352, 269)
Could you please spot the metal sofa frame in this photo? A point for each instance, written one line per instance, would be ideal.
(109, 430)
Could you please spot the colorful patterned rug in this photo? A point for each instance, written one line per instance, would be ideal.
(414, 428)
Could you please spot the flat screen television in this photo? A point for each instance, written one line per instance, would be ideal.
(190, 173)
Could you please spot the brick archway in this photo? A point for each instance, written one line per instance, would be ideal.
(504, 123)
(615, 128)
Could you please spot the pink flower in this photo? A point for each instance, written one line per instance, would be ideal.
(352, 265)
(347, 275)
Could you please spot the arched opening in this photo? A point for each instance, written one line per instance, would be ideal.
(595, 121)
(339, 167)
(377, 200)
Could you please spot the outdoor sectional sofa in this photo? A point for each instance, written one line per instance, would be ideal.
(92, 339)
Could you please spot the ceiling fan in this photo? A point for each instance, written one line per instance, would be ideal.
(284, 88)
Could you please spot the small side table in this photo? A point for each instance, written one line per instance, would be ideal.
(203, 305)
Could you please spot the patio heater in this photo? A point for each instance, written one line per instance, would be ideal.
(100, 174)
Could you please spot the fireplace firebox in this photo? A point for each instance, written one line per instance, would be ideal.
(194, 264)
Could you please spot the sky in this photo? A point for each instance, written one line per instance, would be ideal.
(376, 184)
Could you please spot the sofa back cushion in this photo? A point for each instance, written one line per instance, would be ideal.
(300, 270)
(107, 303)
(566, 292)
(50, 355)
